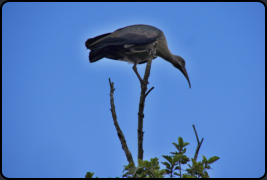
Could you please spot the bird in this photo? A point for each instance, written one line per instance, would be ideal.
(132, 44)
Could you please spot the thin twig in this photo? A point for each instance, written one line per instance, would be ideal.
(149, 91)
(142, 102)
(119, 132)
(198, 144)
(196, 133)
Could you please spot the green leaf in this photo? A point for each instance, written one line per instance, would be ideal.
(176, 145)
(162, 171)
(140, 162)
(154, 161)
(89, 175)
(176, 158)
(193, 161)
(213, 159)
(168, 158)
(167, 171)
(185, 159)
(185, 144)
(188, 176)
(147, 164)
(204, 161)
(184, 150)
(180, 141)
(126, 168)
(131, 165)
(168, 166)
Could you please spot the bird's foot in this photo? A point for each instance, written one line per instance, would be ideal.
(153, 50)
(150, 51)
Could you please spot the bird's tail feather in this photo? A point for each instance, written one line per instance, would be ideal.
(91, 42)
(96, 54)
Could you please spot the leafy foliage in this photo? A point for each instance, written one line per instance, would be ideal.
(89, 175)
(145, 169)
(199, 169)
(174, 162)
(151, 169)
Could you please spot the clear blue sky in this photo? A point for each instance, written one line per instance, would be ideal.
(56, 119)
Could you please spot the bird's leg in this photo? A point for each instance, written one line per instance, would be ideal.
(153, 49)
(136, 72)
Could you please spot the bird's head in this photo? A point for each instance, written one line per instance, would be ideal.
(179, 63)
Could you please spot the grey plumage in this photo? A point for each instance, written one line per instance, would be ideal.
(132, 44)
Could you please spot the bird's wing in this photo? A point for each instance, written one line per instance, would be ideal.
(124, 37)
(92, 41)
(130, 35)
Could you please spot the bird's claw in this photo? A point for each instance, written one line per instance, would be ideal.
(152, 51)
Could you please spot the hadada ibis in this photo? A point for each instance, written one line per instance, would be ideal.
(132, 44)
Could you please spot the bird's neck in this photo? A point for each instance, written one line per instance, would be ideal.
(163, 50)
(165, 53)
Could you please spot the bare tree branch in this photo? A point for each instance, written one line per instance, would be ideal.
(119, 132)
(196, 133)
(198, 144)
(142, 102)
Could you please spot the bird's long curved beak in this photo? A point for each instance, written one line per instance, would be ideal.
(183, 70)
